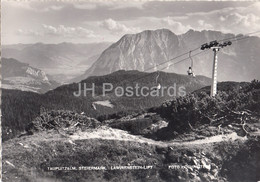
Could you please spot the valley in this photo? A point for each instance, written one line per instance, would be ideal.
(62, 61)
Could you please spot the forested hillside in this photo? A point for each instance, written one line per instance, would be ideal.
(19, 108)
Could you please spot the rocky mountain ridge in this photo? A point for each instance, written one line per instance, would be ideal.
(22, 76)
(149, 49)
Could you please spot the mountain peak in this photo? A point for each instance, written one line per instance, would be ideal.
(190, 31)
(147, 32)
(157, 31)
(146, 50)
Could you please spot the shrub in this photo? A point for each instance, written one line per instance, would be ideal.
(184, 113)
(61, 119)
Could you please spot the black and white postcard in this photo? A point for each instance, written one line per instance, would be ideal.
(130, 91)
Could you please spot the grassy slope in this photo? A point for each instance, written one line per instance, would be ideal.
(49, 149)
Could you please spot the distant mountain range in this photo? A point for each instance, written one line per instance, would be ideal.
(63, 61)
(141, 51)
(144, 51)
(22, 76)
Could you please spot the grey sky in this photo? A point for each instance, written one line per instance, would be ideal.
(83, 22)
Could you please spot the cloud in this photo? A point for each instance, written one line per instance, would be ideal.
(116, 27)
(205, 26)
(237, 19)
(29, 32)
(111, 5)
(59, 31)
(53, 8)
(153, 23)
(87, 6)
(127, 4)
(64, 31)
(66, 20)
(232, 19)
(176, 26)
(34, 6)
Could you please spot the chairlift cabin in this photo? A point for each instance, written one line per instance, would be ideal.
(190, 71)
(156, 80)
(93, 106)
(159, 86)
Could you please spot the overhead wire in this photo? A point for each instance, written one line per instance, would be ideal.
(189, 52)
(241, 39)
(169, 60)
(185, 59)
(191, 59)
(182, 60)
(238, 36)
(167, 66)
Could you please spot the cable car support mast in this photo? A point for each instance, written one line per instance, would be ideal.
(215, 46)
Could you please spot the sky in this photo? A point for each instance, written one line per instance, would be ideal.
(107, 21)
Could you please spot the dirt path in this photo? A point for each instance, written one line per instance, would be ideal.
(106, 133)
